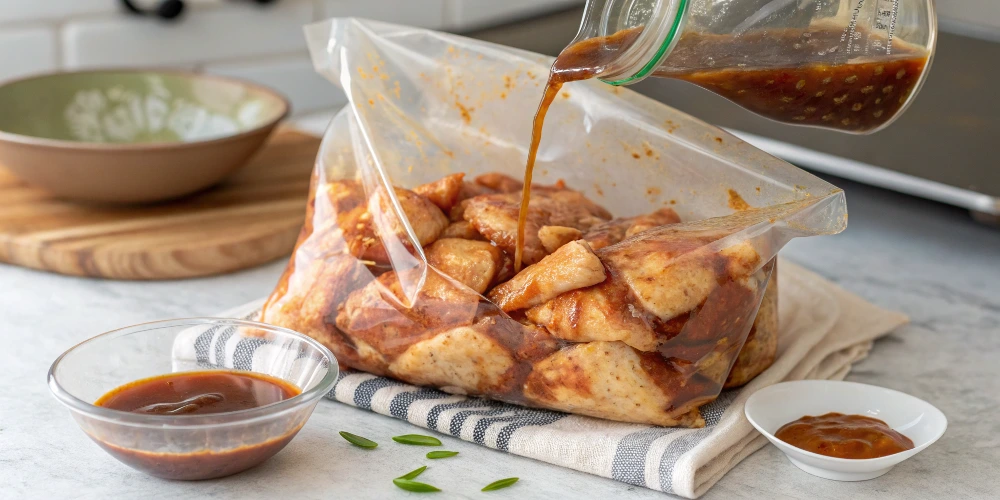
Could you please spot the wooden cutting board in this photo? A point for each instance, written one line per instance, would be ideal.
(252, 218)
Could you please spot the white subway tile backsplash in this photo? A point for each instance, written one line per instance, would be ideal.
(32, 10)
(27, 51)
(421, 13)
(229, 30)
(462, 15)
(294, 77)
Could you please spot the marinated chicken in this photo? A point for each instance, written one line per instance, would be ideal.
(761, 346)
(495, 217)
(462, 229)
(612, 380)
(554, 237)
(373, 229)
(444, 192)
(572, 266)
(638, 319)
(461, 360)
(474, 264)
(615, 230)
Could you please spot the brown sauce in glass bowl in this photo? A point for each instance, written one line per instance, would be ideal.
(198, 393)
(844, 436)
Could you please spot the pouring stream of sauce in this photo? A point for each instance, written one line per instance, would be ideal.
(581, 61)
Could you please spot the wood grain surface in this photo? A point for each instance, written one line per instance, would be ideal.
(252, 218)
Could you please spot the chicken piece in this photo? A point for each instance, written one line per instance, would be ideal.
(714, 365)
(461, 229)
(506, 271)
(475, 264)
(599, 313)
(572, 266)
(332, 222)
(553, 237)
(345, 222)
(761, 346)
(657, 282)
(710, 338)
(495, 217)
(658, 218)
(570, 198)
(500, 183)
(473, 189)
(609, 312)
(707, 340)
(391, 317)
(337, 198)
(369, 229)
(612, 232)
(611, 380)
(443, 192)
(424, 217)
(457, 212)
(462, 360)
(306, 300)
(671, 270)
(607, 234)
(468, 190)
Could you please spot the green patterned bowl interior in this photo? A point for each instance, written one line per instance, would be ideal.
(135, 107)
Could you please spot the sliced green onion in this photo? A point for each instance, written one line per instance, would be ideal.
(441, 454)
(502, 483)
(413, 473)
(357, 440)
(417, 439)
(409, 485)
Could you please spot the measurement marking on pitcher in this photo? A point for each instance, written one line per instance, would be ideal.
(892, 26)
(851, 34)
(885, 20)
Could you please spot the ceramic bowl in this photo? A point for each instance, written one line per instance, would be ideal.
(191, 447)
(132, 136)
(770, 408)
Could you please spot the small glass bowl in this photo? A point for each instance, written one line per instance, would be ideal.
(191, 447)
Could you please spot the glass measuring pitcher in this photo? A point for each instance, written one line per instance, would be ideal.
(848, 65)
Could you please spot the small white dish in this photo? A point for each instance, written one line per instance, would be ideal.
(770, 408)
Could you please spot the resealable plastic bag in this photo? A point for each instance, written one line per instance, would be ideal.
(402, 269)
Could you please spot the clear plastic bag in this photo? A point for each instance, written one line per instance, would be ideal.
(632, 321)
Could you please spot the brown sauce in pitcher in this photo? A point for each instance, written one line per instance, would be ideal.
(853, 96)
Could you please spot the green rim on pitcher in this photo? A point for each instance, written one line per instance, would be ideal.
(665, 47)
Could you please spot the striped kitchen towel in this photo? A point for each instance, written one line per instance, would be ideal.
(823, 331)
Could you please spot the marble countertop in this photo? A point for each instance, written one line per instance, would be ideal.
(928, 260)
